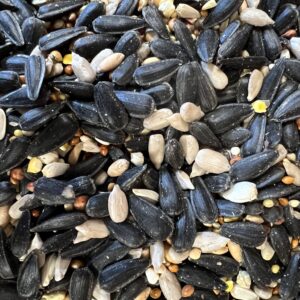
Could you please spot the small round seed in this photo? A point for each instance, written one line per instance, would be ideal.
(288, 180)
(195, 253)
(155, 293)
(187, 291)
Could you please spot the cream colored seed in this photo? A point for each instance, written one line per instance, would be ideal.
(190, 112)
(195, 253)
(294, 203)
(209, 5)
(34, 166)
(150, 60)
(268, 203)
(275, 269)
(187, 12)
(255, 17)
(177, 122)
(156, 149)
(118, 167)
(217, 77)
(111, 62)
(117, 205)
(255, 83)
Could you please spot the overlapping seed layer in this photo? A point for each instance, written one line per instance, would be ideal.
(149, 149)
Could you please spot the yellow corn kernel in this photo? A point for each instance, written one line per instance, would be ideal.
(18, 133)
(67, 60)
(259, 106)
(275, 269)
(34, 166)
(56, 55)
(229, 284)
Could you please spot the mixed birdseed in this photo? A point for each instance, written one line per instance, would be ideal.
(149, 149)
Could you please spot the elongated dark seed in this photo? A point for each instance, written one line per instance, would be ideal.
(203, 202)
(117, 24)
(112, 277)
(221, 12)
(151, 219)
(246, 234)
(61, 222)
(90, 13)
(57, 133)
(81, 284)
(10, 26)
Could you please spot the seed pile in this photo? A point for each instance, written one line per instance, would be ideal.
(149, 149)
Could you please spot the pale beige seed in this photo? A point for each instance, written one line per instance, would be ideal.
(89, 145)
(170, 285)
(61, 267)
(98, 59)
(74, 154)
(167, 8)
(14, 210)
(4, 216)
(150, 60)
(208, 241)
(117, 205)
(57, 69)
(144, 295)
(111, 6)
(285, 53)
(143, 51)
(253, 3)
(235, 251)
(157, 255)
(282, 153)
(82, 68)
(255, 17)
(292, 170)
(137, 158)
(55, 169)
(240, 293)
(197, 171)
(241, 192)
(212, 161)
(48, 270)
(100, 178)
(221, 251)
(187, 12)
(295, 46)
(93, 229)
(217, 77)
(255, 83)
(263, 293)
(175, 257)
(195, 253)
(147, 194)
(267, 252)
(190, 112)
(156, 149)
(184, 180)
(152, 276)
(111, 62)
(136, 253)
(243, 279)
(100, 294)
(209, 5)
(142, 4)
(49, 158)
(36, 243)
(177, 122)
(118, 167)
(190, 147)
(255, 219)
(158, 119)
(2, 124)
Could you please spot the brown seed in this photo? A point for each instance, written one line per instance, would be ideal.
(294, 243)
(80, 202)
(288, 180)
(68, 70)
(22, 79)
(30, 187)
(69, 25)
(76, 264)
(72, 17)
(290, 33)
(56, 55)
(103, 150)
(54, 97)
(283, 201)
(35, 213)
(155, 293)
(173, 268)
(75, 141)
(187, 291)
(17, 174)
(298, 123)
